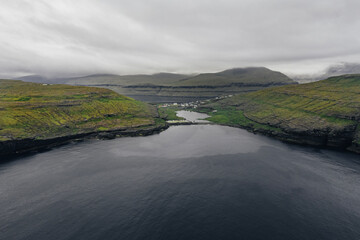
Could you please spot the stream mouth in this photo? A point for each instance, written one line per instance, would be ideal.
(193, 116)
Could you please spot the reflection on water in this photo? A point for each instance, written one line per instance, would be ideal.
(188, 182)
(190, 141)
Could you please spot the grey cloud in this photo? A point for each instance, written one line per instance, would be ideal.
(63, 37)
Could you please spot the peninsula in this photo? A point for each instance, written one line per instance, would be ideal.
(34, 116)
(324, 113)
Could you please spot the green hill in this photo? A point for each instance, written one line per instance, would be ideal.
(40, 111)
(323, 113)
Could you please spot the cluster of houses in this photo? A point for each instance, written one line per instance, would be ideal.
(222, 97)
(193, 105)
(184, 105)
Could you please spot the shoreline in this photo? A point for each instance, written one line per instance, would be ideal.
(13, 148)
(341, 142)
(303, 140)
(300, 140)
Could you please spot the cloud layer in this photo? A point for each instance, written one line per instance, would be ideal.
(67, 37)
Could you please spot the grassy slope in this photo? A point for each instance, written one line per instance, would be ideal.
(31, 110)
(330, 107)
(169, 113)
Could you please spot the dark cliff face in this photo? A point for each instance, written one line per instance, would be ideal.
(13, 147)
(340, 140)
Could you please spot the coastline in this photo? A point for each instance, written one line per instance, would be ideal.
(339, 143)
(12, 148)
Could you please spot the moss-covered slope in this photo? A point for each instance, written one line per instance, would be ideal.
(324, 113)
(39, 111)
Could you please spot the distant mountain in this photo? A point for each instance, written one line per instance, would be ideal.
(245, 76)
(332, 71)
(342, 69)
(33, 78)
(42, 79)
(108, 79)
(205, 85)
(125, 80)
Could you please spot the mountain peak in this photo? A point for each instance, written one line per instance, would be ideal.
(240, 71)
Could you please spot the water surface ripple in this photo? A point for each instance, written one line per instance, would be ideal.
(188, 182)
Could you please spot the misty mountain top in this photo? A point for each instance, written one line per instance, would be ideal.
(331, 71)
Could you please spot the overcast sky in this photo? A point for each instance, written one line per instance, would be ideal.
(76, 37)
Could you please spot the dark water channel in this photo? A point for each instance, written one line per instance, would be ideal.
(188, 182)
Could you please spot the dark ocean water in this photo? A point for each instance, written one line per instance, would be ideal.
(188, 182)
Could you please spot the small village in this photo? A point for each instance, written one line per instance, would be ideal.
(189, 106)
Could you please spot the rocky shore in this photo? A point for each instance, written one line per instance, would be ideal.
(15, 147)
(343, 140)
